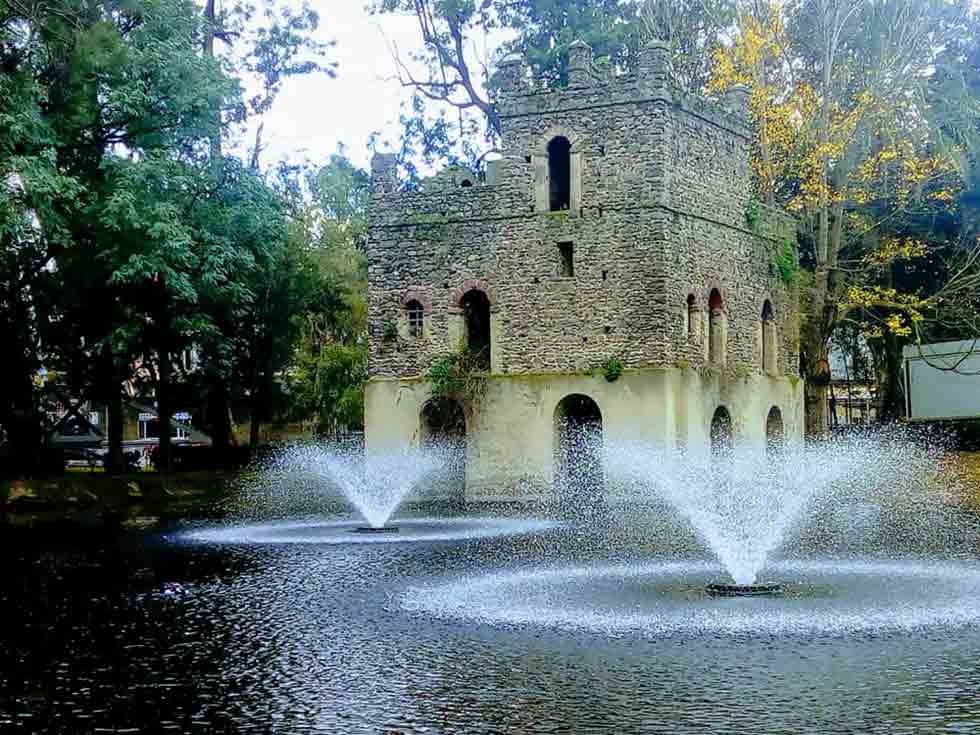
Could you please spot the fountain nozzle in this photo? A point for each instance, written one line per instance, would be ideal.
(376, 529)
(744, 590)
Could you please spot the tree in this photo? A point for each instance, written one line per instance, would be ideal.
(452, 106)
(694, 30)
(842, 140)
(329, 367)
(128, 236)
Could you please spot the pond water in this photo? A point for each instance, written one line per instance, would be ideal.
(159, 629)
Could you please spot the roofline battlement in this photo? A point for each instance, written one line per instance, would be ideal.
(591, 86)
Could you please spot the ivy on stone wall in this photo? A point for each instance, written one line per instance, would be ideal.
(783, 262)
(753, 211)
(457, 376)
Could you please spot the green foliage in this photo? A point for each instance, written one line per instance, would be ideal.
(694, 30)
(610, 368)
(329, 386)
(783, 263)
(125, 238)
(547, 28)
(753, 211)
(329, 368)
(451, 119)
(389, 332)
(457, 376)
(741, 371)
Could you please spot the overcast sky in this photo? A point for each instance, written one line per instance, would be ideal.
(314, 114)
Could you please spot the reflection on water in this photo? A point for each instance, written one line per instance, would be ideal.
(127, 629)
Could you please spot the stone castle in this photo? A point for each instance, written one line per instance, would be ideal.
(617, 229)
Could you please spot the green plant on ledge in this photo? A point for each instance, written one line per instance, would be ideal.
(611, 368)
(710, 370)
(457, 376)
(389, 332)
(741, 372)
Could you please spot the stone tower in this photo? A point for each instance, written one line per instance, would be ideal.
(616, 228)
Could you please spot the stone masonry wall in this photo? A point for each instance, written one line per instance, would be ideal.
(664, 189)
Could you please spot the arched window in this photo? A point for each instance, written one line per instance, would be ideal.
(560, 173)
(416, 318)
(722, 435)
(691, 315)
(768, 338)
(716, 328)
(774, 431)
(476, 311)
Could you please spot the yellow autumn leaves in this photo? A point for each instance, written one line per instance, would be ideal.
(848, 148)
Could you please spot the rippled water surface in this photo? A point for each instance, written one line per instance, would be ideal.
(149, 631)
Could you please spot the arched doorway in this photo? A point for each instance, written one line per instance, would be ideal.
(476, 312)
(774, 431)
(443, 428)
(722, 434)
(578, 448)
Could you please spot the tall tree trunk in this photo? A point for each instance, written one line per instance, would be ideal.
(18, 414)
(254, 431)
(891, 384)
(165, 410)
(219, 416)
(817, 380)
(114, 462)
(210, 28)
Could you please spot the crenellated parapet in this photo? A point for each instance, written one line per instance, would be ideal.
(593, 87)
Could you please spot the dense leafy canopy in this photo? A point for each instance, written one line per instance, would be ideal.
(127, 239)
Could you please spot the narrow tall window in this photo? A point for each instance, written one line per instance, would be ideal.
(560, 173)
(716, 328)
(476, 310)
(692, 315)
(768, 338)
(416, 319)
(566, 254)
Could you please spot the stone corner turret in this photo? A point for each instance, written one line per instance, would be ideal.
(384, 173)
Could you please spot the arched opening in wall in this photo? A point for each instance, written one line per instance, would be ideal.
(716, 327)
(722, 432)
(443, 428)
(578, 449)
(476, 312)
(774, 431)
(416, 318)
(768, 338)
(691, 315)
(560, 173)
